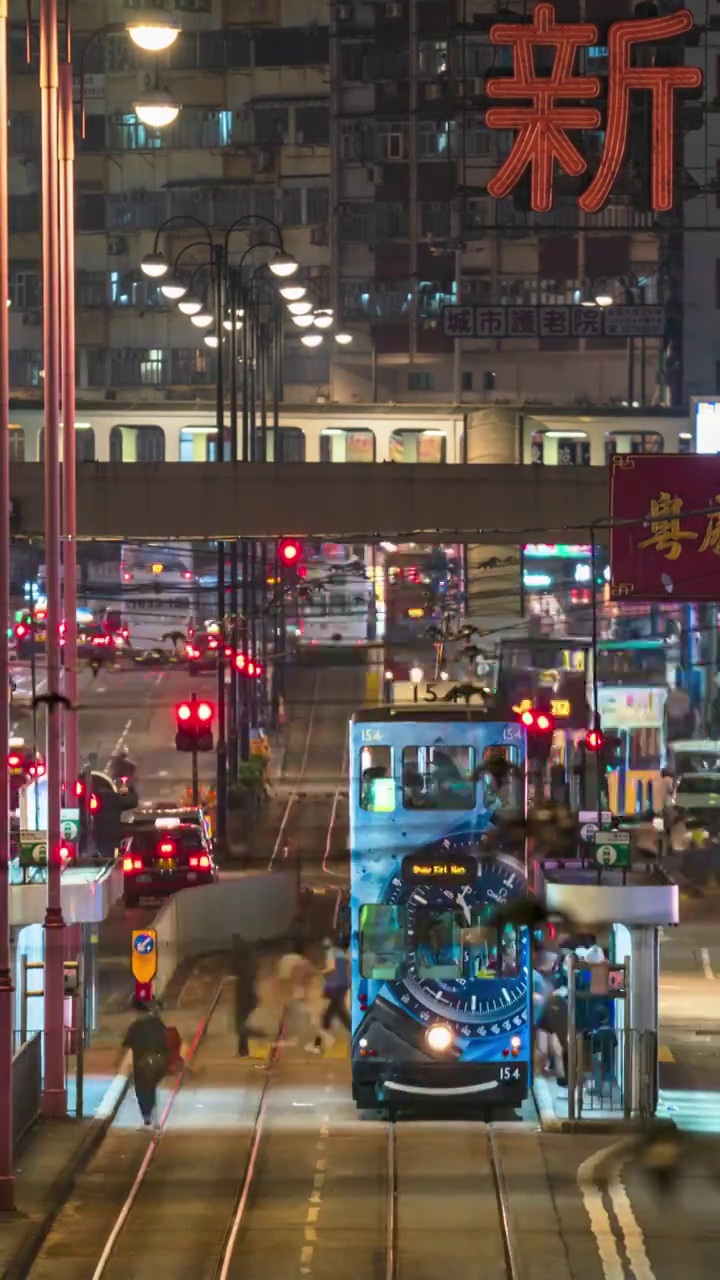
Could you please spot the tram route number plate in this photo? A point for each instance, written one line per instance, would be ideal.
(612, 848)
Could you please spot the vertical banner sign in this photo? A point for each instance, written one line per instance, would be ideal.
(669, 549)
(545, 107)
(143, 954)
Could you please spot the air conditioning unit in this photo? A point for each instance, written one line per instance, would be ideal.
(117, 245)
(320, 233)
(342, 12)
(393, 11)
(433, 92)
(474, 87)
(376, 173)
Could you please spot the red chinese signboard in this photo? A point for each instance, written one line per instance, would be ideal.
(542, 139)
(670, 547)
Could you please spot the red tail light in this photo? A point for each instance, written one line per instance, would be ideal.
(193, 860)
(127, 864)
(212, 644)
(191, 653)
(204, 861)
(20, 631)
(14, 761)
(167, 847)
(94, 803)
(79, 788)
(228, 651)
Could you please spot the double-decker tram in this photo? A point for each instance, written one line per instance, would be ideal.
(441, 996)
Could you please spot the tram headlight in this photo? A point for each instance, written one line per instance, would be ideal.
(439, 1037)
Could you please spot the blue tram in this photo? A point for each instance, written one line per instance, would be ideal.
(441, 998)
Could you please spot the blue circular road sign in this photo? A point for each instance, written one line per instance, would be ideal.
(144, 944)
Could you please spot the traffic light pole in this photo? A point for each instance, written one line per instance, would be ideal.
(221, 776)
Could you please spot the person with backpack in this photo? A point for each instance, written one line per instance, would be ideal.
(147, 1040)
(336, 985)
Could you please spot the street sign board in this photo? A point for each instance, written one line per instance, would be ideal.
(33, 848)
(70, 824)
(143, 954)
(612, 848)
(588, 820)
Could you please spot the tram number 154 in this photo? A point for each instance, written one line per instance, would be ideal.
(509, 1073)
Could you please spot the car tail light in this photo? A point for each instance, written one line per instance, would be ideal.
(228, 651)
(212, 644)
(191, 653)
(127, 864)
(193, 860)
(204, 861)
(167, 847)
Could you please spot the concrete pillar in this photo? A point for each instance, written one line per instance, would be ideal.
(494, 595)
(644, 973)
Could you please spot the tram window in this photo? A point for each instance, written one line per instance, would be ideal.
(377, 785)
(438, 777)
(484, 942)
(382, 942)
(645, 748)
(502, 790)
(438, 945)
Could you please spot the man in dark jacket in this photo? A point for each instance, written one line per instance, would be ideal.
(146, 1038)
(245, 970)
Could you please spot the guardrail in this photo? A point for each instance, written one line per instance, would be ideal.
(26, 1086)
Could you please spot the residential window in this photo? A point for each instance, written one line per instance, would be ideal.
(133, 367)
(24, 213)
(357, 224)
(479, 57)
(265, 206)
(391, 221)
(92, 288)
(138, 210)
(312, 126)
(292, 47)
(478, 139)
(466, 380)
(352, 139)
(352, 62)
(16, 443)
(432, 58)
(435, 219)
(91, 211)
(391, 140)
(291, 206)
(121, 54)
(24, 134)
(433, 136)
(127, 133)
(94, 139)
(25, 367)
(191, 367)
(318, 204)
(271, 125)
(95, 374)
(25, 288)
(420, 381)
(133, 289)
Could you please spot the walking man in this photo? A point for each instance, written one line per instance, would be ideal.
(146, 1038)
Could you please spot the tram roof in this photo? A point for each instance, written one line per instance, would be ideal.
(411, 713)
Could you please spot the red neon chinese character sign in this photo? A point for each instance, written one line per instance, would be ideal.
(542, 138)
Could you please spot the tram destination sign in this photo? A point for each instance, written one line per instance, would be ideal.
(439, 870)
(553, 322)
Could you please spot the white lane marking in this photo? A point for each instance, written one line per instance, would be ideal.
(707, 967)
(298, 780)
(118, 746)
(601, 1225)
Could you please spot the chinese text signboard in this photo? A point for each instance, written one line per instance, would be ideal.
(553, 322)
(670, 547)
(543, 109)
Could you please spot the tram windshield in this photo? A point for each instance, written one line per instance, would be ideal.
(438, 777)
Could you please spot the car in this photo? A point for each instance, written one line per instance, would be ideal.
(156, 863)
(202, 652)
(164, 816)
(692, 812)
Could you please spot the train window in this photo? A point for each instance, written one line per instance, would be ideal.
(632, 442)
(438, 777)
(438, 944)
(410, 445)
(340, 445)
(377, 785)
(492, 951)
(382, 941)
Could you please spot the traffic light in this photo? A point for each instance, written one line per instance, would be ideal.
(540, 727)
(290, 552)
(194, 726)
(594, 740)
(248, 666)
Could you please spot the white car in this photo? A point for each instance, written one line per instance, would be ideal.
(692, 814)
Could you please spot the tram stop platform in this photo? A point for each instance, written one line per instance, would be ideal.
(609, 1073)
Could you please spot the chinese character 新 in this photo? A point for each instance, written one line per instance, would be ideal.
(542, 138)
(711, 541)
(667, 536)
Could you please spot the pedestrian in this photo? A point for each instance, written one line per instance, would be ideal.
(146, 1038)
(245, 970)
(336, 985)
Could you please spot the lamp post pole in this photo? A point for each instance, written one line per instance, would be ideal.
(7, 1177)
(69, 473)
(54, 1101)
(218, 255)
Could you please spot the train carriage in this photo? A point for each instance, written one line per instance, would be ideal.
(441, 998)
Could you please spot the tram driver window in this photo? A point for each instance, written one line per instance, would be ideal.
(492, 951)
(382, 942)
(377, 785)
(438, 777)
(438, 945)
(502, 780)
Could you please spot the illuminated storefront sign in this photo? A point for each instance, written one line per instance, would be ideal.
(632, 708)
(542, 139)
(560, 708)
(559, 550)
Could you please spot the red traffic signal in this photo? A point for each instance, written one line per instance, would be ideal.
(204, 712)
(15, 762)
(94, 803)
(184, 712)
(537, 721)
(594, 740)
(194, 725)
(240, 661)
(289, 550)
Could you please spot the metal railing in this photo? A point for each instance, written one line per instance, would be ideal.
(26, 1086)
(613, 1071)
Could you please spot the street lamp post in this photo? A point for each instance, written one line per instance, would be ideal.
(7, 1176)
(66, 143)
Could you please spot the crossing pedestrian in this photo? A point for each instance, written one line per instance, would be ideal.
(336, 985)
(245, 970)
(147, 1039)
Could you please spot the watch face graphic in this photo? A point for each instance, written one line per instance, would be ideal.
(479, 1003)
